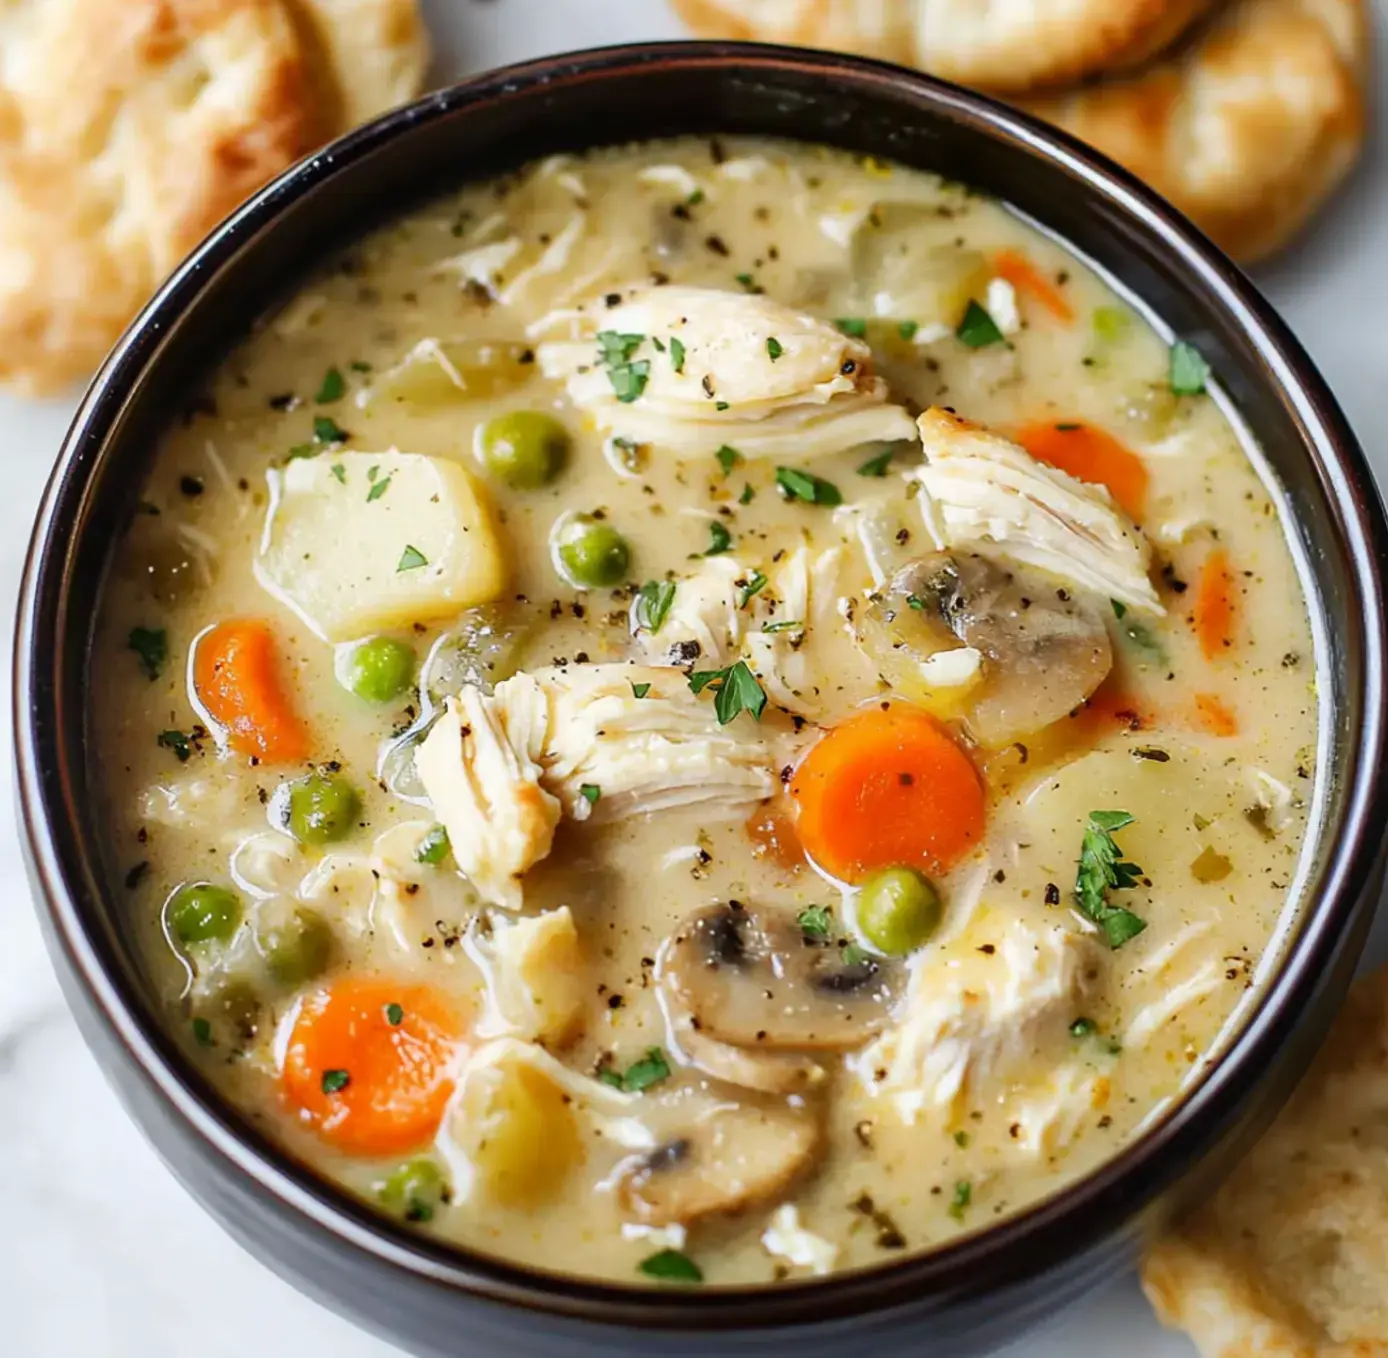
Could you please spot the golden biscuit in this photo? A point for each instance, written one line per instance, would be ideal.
(1248, 128)
(1290, 1258)
(1005, 46)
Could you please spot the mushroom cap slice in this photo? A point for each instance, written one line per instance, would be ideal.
(731, 1157)
(769, 1072)
(751, 977)
(1044, 647)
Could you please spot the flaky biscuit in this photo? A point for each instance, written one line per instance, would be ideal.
(1006, 46)
(1249, 128)
(1290, 1258)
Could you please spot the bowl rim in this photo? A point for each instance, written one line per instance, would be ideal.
(996, 1254)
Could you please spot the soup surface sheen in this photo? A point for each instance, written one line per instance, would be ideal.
(596, 776)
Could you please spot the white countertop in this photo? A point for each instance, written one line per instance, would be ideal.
(102, 1255)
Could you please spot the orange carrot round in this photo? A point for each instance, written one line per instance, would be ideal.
(236, 675)
(1018, 270)
(1089, 453)
(1215, 716)
(1214, 605)
(369, 1064)
(887, 788)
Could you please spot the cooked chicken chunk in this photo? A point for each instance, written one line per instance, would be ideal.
(703, 622)
(500, 769)
(800, 591)
(692, 369)
(969, 1013)
(984, 492)
(536, 978)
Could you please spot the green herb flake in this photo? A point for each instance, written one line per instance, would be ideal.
(748, 282)
(736, 691)
(853, 956)
(177, 742)
(694, 198)
(814, 490)
(378, 489)
(907, 330)
(789, 625)
(1110, 324)
(1120, 609)
(961, 1139)
(719, 539)
(978, 329)
(962, 1199)
(339, 471)
(653, 602)
(151, 644)
(411, 559)
(774, 348)
(728, 458)
(332, 389)
(1101, 870)
(327, 430)
(433, 847)
(628, 379)
(1189, 372)
(358, 366)
(334, 1081)
(916, 602)
(855, 327)
(1083, 1027)
(815, 921)
(590, 792)
(659, 344)
(640, 690)
(747, 495)
(302, 450)
(676, 354)
(202, 1032)
(650, 1070)
(1142, 639)
(876, 466)
(671, 1266)
(395, 1015)
(751, 589)
(721, 405)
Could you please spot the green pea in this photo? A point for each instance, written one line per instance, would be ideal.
(415, 1190)
(199, 912)
(898, 909)
(298, 949)
(592, 555)
(525, 448)
(379, 669)
(323, 808)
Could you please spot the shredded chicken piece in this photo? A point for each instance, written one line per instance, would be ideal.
(786, 1238)
(1049, 1119)
(802, 590)
(703, 615)
(482, 264)
(969, 1013)
(983, 491)
(536, 980)
(817, 395)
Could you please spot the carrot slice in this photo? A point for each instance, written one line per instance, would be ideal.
(369, 1064)
(237, 679)
(1089, 453)
(1215, 717)
(1214, 605)
(888, 787)
(1018, 270)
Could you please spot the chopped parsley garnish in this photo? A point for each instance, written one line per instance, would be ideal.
(853, 956)
(961, 1139)
(640, 690)
(676, 354)
(963, 1197)
(1083, 1027)
(774, 348)
(339, 471)
(433, 847)
(721, 405)
(653, 602)
(650, 1070)
(719, 539)
(302, 450)
(332, 389)
(1189, 371)
(671, 1266)
(327, 430)
(1143, 639)
(590, 792)
(907, 330)
(151, 644)
(177, 742)
(694, 198)
(876, 466)
(411, 559)
(751, 589)
(1120, 609)
(378, 489)
(915, 601)
(202, 1032)
(852, 326)
(789, 625)
(728, 458)
(334, 1081)
(358, 366)
(748, 282)
(736, 690)
(395, 1015)
(978, 329)
(1101, 870)
(747, 494)
(628, 379)
(813, 490)
(814, 921)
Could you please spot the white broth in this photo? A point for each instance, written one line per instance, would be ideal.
(631, 709)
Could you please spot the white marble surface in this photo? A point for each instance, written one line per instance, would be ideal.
(101, 1253)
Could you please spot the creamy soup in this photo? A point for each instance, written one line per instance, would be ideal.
(705, 711)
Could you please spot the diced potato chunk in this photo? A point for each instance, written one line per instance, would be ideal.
(352, 558)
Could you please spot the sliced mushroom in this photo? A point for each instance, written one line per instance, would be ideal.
(729, 1158)
(754, 978)
(770, 1072)
(1038, 649)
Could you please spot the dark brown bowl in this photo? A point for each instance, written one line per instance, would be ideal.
(438, 1300)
